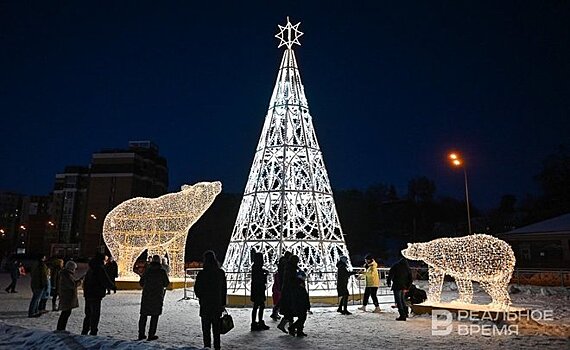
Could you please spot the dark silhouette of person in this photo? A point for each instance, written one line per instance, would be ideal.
(400, 278)
(95, 288)
(258, 287)
(211, 289)
(153, 281)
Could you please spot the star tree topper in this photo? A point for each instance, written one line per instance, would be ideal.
(289, 34)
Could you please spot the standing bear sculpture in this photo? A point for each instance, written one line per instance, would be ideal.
(157, 224)
(481, 258)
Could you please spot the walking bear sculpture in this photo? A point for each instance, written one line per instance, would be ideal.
(157, 224)
(482, 258)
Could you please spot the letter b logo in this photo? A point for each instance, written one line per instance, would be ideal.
(441, 322)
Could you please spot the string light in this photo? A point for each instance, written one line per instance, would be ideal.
(482, 258)
(157, 224)
(288, 201)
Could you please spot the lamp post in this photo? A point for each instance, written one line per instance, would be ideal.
(457, 161)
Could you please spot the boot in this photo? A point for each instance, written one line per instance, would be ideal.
(377, 310)
(254, 327)
(282, 324)
(363, 308)
(262, 326)
(300, 333)
(346, 312)
(275, 317)
(339, 309)
(291, 330)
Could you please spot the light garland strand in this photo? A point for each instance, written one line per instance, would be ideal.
(157, 224)
(482, 258)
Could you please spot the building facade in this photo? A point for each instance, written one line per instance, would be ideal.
(115, 176)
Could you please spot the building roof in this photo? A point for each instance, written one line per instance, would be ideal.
(559, 224)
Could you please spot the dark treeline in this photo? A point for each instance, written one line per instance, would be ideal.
(380, 221)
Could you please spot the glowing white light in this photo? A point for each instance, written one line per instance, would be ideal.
(288, 202)
(289, 34)
(157, 224)
(482, 258)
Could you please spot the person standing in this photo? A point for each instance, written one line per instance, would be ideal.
(39, 283)
(56, 267)
(211, 289)
(400, 278)
(342, 278)
(153, 281)
(112, 270)
(95, 286)
(67, 291)
(372, 283)
(258, 287)
(300, 305)
(14, 275)
(288, 286)
(165, 266)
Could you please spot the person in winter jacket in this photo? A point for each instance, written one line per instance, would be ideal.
(112, 270)
(400, 278)
(258, 286)
(95, 288)
(39, 282)
(276, 296)
(342, 278)
(299, 305)
(55, 269)
(372, 283)
(153, 281)
(67, 291)
(289, 282)
(211, 289)
(14, 275)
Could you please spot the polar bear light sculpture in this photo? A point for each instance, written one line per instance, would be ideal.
(482, 258)
(157, 224)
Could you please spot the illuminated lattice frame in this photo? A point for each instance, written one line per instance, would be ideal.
(157, 224)
(482, 258)
(288, 202)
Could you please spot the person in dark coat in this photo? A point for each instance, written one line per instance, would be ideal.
(400, 278)
(153, 281)
(289, 282)
(95, 288)
(299, 305)
(67, 291)
(211, 289)
(258, 287)
(112, 270)
(39, 282)
(342, 277)
(14, 275)
(55, 269)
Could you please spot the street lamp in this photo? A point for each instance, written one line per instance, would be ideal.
(457, 161)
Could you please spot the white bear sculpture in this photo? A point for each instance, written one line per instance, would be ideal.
(482, 258)
(157, 224)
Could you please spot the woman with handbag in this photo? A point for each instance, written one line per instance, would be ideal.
(210, 288)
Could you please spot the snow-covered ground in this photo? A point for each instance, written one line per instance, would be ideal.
(179, 326)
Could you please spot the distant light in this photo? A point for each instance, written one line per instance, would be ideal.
(51, 223)
(452, 156)
(456, 162)
(93, 217)
(22, 227)
(1, 230)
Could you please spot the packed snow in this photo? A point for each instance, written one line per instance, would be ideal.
(179, 326)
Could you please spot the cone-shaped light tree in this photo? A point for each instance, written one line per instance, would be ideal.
(288, 202)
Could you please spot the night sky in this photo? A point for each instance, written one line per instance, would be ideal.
(391, 87)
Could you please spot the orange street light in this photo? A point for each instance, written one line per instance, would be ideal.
(457, 161)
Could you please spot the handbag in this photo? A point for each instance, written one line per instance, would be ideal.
(226, 323)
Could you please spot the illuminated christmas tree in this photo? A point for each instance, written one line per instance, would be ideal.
(288, 203)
